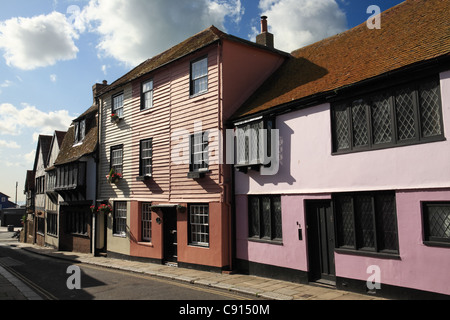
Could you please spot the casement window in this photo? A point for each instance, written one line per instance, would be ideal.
(367, 222)
(117, 159)
(199, 76)
(117, 105)
(80, 131)
(120, 219)
(147, 95)
(40, 185)
(404, 115)
(52, 223)
(253, 142)
(199, 225)
(199, 150)
(436, 223)
(146, 221)
(264, 218)
(146, 158)
(41, 225)
(77, 222)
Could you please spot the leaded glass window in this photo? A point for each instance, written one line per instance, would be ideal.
(403, 115)
(265, 218)
(367, 221)
(436, 222)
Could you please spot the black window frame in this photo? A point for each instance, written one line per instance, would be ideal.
(368, 99)
(260, 233)
(52, 223)
(428, 238)
(77, 221)
(192, 81)
(358, 234)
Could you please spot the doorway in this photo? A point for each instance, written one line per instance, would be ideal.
(170, 235)
(321, 242)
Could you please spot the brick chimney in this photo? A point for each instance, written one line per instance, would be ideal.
(96, 88)
(265, 38)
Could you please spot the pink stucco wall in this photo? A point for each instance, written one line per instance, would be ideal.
(292, 254)
(308, 171)
(307, 165)
(420, 267)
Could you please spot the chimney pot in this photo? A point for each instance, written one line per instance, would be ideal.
(265, 38)
(264, 27)
(105, 82)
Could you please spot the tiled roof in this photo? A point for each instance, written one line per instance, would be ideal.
(70, 153)
(411, 32)
(188, 46)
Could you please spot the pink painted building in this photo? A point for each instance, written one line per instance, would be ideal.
(173, 201)
(361, 198)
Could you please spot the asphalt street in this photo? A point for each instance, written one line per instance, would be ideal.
(50, 277)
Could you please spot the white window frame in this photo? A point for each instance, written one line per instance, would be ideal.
(120, 218)
(118, 104)
(147, 95)
(146, 220)
(199, 225)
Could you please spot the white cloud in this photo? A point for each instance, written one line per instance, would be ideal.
(132, 31)
(9, 144)
(13, 120)
(6, 84)
(53, 78)
(40, 41)
(297, 23)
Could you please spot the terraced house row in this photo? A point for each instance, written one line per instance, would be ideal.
(361, 188)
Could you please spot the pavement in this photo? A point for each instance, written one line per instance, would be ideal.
(12, 289)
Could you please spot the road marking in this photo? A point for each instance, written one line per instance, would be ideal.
(23, 284)
(171, 282)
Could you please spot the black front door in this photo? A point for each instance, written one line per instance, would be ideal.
(170, 235)
(321, 241)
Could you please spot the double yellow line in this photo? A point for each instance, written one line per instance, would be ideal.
(41, 291)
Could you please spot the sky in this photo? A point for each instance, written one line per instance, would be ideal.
(53, 51)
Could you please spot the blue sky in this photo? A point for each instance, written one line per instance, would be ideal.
(53, 51)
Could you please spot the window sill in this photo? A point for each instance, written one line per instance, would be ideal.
(409, 143)
(381, 255)
(244, 168)
(437, 244)
(272, 242)
(197, 174)
(143, 178)
(146, 244)
(123, 236)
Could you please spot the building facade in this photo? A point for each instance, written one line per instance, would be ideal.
(76, 176)
(361, 191)
(51, 228)
(40, 165)
(161, 127)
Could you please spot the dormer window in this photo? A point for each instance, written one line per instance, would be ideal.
(80, 131)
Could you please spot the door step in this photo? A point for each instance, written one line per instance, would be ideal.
(324, 283)
(171, 264)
